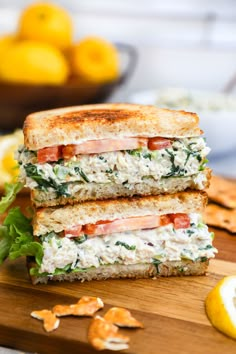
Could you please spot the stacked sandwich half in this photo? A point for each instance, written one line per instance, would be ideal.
(108, 183)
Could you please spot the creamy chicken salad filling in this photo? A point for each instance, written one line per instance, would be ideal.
(186, 157)
(62, 254)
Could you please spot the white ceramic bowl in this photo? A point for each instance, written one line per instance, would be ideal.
(217, 113)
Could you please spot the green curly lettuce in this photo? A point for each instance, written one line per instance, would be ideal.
(16, 233)
(11, 190)
(16, 238)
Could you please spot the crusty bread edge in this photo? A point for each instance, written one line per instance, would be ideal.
(73, 125)
(135, 271)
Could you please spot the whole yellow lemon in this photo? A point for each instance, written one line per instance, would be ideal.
(94, 60)
(46, 22)
(5, 42)
(33, 62)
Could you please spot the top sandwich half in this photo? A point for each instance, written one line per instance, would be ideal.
(110, 150)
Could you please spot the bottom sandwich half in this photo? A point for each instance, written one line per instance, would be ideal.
(124, 238)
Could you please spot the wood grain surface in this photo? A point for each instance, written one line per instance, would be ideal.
(172, 309)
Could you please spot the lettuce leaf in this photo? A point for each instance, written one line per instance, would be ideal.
(16, 238)
(58, 271)
(11, 190)
(5, 243)
(16, 233)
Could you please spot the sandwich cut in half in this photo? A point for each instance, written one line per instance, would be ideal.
(135, 237)
(104, 151)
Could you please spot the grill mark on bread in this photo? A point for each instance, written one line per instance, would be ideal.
(101, 116)
(96, 114)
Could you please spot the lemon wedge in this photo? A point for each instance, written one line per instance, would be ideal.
(221, 306)
(8, 165)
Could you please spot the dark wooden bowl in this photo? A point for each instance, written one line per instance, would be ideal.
(18, 100)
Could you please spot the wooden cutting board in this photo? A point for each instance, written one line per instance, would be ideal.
(172, 309)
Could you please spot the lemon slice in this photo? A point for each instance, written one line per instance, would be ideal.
(221, 306)
(8, 164)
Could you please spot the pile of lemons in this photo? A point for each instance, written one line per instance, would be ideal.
(42, 51)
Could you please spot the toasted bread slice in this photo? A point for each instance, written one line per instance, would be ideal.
(73, 125)
(58, 219)
(137, 271)
(81, 192)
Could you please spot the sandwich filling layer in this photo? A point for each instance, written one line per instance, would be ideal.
(92, 191)
(182, 158)
(170, 242)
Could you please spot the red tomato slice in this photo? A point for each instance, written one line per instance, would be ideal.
(104, 145)
(180, 221)
(75, 231)
(49, 154)
(108, 227)
(158, 143)
(104, 227)
(54, 153)
(165, 220)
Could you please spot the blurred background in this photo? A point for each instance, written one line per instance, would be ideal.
(177, 54)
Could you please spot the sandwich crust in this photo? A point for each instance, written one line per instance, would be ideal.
(137, 271)
(58, 219)
(93, 191)
(73, 125)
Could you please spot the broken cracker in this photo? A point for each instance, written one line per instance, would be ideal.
(218, 216)
(86, 306)
(223, 192)
(62, 310)
(50, 321)
(122, 318)
(104, 335)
